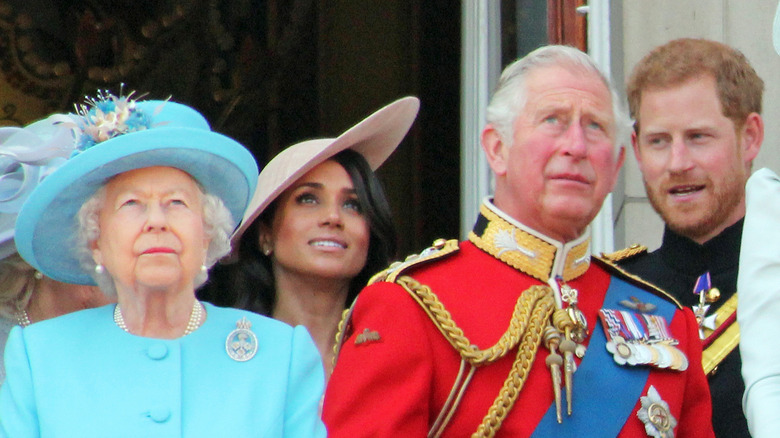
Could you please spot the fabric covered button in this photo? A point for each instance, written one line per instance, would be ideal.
(160, 415)
(157, 351)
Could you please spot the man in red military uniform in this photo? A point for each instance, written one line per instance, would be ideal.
(519, 331)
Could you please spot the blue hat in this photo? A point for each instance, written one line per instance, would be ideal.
(114, 135)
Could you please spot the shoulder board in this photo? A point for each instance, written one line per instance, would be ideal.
(611, 267)
(439, 249)
(625, 253)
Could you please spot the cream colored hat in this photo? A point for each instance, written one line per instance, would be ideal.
(375, 138)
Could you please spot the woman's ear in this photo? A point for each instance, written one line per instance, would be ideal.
(265, 242)
(206, 244)
(97, 255)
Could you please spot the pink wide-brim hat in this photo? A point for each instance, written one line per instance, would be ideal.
(375, 138)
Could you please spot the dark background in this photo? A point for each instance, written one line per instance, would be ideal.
(267, 73)
(273, 73)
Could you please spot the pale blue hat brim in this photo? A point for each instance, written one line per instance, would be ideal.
(47, 224)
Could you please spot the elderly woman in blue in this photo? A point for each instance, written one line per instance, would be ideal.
(143, 209)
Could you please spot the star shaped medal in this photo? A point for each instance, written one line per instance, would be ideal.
(707, 294)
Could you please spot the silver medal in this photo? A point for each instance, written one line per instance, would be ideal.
(664, 356)
(241, 343)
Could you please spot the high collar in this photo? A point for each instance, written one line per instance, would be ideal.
(718, 254)
(528, 250)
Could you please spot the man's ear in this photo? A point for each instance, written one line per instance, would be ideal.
(751, 137)
(495, 149)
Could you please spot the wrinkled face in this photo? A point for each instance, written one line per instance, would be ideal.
(562, 163)
(151, 230)
(319, 229)
(693, 162)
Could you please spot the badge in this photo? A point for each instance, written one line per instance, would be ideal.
(367, 336)
(655, 414)
(707, 294)
(635, 304)
(241, 343)
(569, 295)
(641, 339)
(621, 351)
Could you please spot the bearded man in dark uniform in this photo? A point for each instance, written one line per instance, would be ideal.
(697, 106)
(518, 331)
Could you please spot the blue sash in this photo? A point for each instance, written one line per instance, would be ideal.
(604, 393)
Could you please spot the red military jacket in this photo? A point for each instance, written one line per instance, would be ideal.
(396, 369)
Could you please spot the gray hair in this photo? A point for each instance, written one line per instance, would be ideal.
(218, 226)
(511, 94)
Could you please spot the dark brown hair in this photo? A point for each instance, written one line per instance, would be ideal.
(249, 283)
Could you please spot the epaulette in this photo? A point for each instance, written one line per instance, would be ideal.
(439, 249)
(625, 253)
(613, 268)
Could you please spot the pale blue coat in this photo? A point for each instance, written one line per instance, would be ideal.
(80, 375)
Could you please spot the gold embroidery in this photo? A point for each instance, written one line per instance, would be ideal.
(624, 253)
(575, 261)
(439, 249)
(367, 336)
(528, 253)
(713, 355)
(616, 271)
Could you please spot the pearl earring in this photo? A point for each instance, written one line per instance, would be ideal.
(99, 269)
(203, 269)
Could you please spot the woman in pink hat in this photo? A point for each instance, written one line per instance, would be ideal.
(317, 229)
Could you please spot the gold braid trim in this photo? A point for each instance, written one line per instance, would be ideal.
(625, 253)
(442, 319)
(726, 342)
(341, 334)
(615, 270)
(525, 358)
(531, 315)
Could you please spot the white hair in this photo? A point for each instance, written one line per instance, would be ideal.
(511, 94)
(218, 224)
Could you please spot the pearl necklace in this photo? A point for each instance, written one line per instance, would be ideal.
(22, 318)
(195, 318)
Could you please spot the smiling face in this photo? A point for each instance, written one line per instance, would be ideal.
(152, 233)
(694, 161)
(319, 229)
(562, 162)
